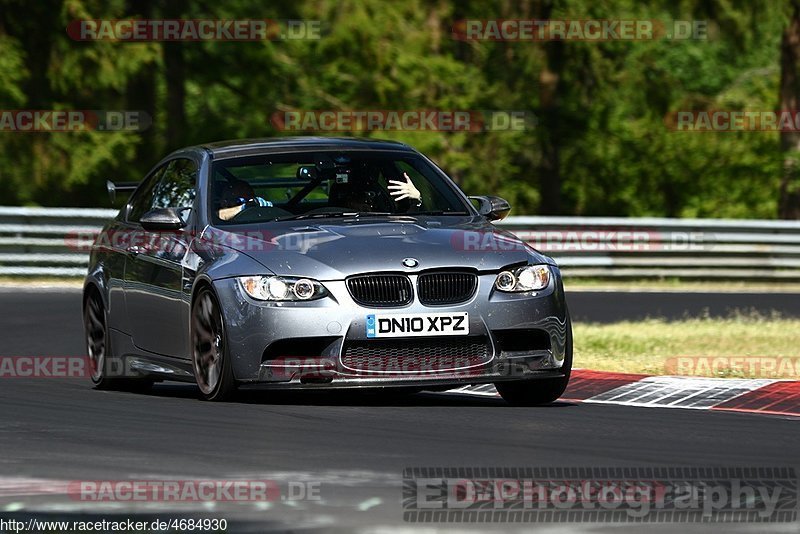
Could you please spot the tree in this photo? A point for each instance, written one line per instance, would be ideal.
(789, 202)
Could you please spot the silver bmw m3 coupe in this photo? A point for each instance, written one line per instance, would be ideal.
(318, 263)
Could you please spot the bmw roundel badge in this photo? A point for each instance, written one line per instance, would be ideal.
(410, 262)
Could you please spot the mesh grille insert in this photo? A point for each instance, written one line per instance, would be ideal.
(416, 355)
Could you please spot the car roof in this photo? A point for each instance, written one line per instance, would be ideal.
(243, 147)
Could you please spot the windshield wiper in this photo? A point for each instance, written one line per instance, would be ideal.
(358, 214)
(317, 215)
(332, 214)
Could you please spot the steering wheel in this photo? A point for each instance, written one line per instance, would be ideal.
(328, 209)
(258, 213)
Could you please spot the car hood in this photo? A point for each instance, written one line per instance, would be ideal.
(332, 249)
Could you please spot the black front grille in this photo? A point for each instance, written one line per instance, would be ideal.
(415, 355)
(446, 288)
(381, 290)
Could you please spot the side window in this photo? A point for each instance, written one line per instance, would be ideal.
(172, 186)
(142, 199)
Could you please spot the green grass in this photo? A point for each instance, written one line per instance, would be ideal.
(741, 346)
(37, 281)
(674, 284)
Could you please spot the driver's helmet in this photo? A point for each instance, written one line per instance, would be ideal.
(356, 187)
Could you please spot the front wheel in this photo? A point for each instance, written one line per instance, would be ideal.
(539, 391)
(212, 365)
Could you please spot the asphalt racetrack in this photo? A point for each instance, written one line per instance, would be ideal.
(352, 448)
(48, 321)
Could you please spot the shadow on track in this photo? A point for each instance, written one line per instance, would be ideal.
(342, 398)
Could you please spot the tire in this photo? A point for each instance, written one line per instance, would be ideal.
(210, 359)
(539, 391)
(98, 350)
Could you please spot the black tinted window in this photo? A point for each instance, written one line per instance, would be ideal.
(260, 188)
(143, 197)
(177, 187)
(171, 186)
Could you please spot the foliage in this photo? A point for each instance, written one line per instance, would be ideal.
(616, 154)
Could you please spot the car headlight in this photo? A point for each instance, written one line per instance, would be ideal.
(528, 278)
(281, 288)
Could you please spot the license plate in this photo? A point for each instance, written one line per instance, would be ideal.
(418, 324)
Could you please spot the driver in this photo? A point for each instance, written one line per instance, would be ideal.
(401, 190)
(359, 191)
(237, 197)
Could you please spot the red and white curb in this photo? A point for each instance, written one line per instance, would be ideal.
(764, 396)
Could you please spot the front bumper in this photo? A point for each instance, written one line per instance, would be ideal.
(300, 344)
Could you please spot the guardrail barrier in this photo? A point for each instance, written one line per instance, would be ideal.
(40, 242)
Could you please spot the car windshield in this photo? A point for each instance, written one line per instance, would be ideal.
(328, 184)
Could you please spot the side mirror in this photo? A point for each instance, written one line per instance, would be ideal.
(493, 208)
(162, 219)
